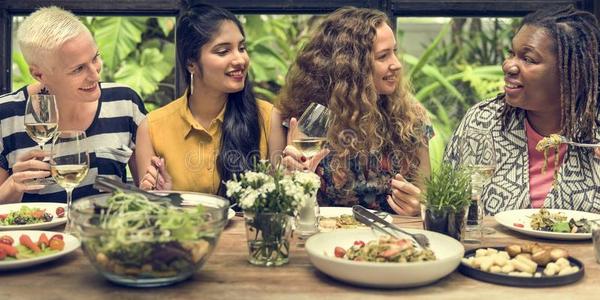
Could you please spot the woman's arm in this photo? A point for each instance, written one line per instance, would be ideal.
(28, 167)
(148, 164)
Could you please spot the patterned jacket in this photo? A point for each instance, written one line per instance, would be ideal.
(578, 186)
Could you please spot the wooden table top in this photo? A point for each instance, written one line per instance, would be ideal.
(227, 275)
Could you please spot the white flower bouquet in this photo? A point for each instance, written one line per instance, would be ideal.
(269, 198)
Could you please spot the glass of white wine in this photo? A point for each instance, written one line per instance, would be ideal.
(311, 135)
(41, 122)
(477, 154)
(69, 163)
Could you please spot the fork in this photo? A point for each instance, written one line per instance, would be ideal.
(564, 140)
(366, 217)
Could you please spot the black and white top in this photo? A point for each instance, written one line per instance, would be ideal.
(110, 138)
(578, 184)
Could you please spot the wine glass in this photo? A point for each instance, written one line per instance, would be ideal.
(311, 134)
(41, 123)
(41, 118)
(69, 163)
(310, 137)
(477, 154)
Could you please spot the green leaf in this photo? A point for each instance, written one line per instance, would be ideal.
(166, 24)
(561, 227)
(117, 37)
(21, 75)
(429, 52)
(144, 74)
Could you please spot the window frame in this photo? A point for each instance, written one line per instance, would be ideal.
(394, 9)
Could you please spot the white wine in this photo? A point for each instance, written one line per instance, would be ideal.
(309, 145)
(481, 174)
(41, 132)
(68, 176)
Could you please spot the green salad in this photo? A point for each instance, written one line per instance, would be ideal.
(544, 220)
(140, 237)
(25, 215)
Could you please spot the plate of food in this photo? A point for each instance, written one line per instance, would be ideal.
(366, 258)
(529, 265)
(32, 215)
(24, 248)
(560, 224)
(332, 218)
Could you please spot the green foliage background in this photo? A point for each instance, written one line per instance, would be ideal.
(459, 67)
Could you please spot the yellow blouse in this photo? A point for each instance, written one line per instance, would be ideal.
(190, 150)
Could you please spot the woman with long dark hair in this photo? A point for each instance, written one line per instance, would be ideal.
(217, 128)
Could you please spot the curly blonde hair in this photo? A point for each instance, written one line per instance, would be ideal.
(335, 69)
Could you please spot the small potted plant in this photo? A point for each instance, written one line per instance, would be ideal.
(446, 200)
(270, 199)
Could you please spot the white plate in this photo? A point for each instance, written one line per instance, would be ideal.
(523, 216)
(320, 248)
(71, 244)
(50, 208)
(199, 198)
(333, 212)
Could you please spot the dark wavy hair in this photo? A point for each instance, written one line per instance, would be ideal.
(334, 69)
(240, 138)
(576, 37)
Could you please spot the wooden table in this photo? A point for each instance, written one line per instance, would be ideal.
(227, 275)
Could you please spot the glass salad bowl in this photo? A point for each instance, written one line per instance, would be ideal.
(138, 242)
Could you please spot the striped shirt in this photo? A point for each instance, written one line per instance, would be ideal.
(110, 138)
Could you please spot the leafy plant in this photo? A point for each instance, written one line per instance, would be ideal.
(447, 189)
(450, 77)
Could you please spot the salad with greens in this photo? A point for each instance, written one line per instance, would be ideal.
(544, 220)
(133, 236)
(26, 215)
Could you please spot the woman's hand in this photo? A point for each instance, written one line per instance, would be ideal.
(597, 151)
(405, 196)
(293, 159)
(28, 168)
(156, 177)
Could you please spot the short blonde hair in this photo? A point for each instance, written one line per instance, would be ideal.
(45, 30)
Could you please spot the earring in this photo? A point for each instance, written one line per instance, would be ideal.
(191, 83)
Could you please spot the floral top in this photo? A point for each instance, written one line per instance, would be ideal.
(578, 185)
(367, 184)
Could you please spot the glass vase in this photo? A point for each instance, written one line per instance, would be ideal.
(448, 222)
(268, 236)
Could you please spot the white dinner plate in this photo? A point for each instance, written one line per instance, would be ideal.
(320, 249)
(50, 208)
(199, 198)
(71, 244)
(333, 212)
(509, 218)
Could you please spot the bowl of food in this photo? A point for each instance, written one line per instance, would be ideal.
(136, 241)
(364, 258)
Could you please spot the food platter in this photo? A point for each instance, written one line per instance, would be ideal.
(321, 247)
(71, 244)
(329, 217)
(504, 279)
(49, 207)
(519, 220)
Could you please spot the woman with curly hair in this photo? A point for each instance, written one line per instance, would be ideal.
(552, 86)
(378, 134)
